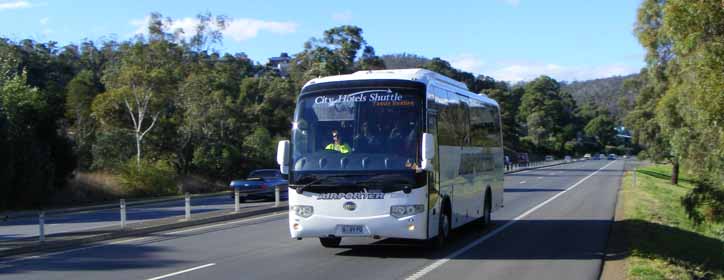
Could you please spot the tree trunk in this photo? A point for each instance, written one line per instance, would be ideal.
(675, 172)
(138, 151)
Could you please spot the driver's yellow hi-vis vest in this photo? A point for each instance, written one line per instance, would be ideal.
(343, 148)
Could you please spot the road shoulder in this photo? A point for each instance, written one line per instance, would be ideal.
(614, 261)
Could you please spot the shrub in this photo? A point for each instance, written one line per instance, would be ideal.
(148, 178)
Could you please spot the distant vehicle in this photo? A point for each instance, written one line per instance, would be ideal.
(587, 156)
(398, 187)
(260, 184)
(549, 158)
(602, 156)
(596, 157)
(568, 158)
(612, 157)
(625, 156)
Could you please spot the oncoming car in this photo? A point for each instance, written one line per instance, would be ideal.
(260, 184)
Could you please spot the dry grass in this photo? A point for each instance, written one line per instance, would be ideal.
(88, 188)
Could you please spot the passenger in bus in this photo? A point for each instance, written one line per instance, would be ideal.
(337, 144)
(394, 140)
(411, 140)
(366, 141)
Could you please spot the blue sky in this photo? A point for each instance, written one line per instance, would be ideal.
(507, 39)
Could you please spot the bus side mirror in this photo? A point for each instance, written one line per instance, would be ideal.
(428, 151)
(283, 156)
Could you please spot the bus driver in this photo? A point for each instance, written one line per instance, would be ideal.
(337, 145)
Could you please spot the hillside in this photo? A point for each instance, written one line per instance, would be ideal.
(404, 61)
(605, 92)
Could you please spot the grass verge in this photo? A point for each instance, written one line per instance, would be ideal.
(662, 241)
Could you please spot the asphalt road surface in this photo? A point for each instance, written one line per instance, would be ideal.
(554, 226)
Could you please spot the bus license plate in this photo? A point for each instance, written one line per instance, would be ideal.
(352, 229)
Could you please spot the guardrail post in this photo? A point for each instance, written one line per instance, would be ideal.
(236, 199)
(123, 213)
(188, 206)
(41, 225)
(276, 196)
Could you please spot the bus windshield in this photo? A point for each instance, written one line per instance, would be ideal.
(358, 129)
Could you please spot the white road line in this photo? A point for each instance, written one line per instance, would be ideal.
(522, 182)
(182, 271)
(539, 178)
(442, 261)
(138, 239)
(224, 224)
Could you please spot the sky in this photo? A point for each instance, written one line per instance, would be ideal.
(511, 40)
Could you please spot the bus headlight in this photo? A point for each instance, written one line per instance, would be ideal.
(303, 211)
(399, 211)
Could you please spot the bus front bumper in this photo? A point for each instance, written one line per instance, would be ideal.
(410, 227)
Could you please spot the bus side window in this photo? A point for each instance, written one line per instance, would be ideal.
(478, 131)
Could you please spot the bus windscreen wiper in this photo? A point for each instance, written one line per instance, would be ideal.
(300, 188)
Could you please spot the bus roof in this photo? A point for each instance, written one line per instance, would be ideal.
(415, 74)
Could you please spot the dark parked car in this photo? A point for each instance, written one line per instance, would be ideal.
(260, 184)
(612, 157)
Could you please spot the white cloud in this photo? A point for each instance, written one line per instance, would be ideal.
(44, 21)
(12, 5)
(236, 29)
(342, 16)
(243, 29)
(141, 25)
(467, 62)
(528, 71)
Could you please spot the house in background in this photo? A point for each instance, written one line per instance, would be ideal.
(280, 64)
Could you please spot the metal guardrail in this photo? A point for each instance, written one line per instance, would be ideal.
(123, 208)
(513, 167)
(6, 216)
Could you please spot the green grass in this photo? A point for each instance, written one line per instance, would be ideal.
(663, 242)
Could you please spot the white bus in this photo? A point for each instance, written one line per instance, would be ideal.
(391, 153)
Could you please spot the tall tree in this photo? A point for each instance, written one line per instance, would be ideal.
(80, 94)
(546, 111)
(509, 102)
(142, 83)
(685, 71)
(602, 128)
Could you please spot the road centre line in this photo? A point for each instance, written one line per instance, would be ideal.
(522, 182)
(438, 263)
(182, 271)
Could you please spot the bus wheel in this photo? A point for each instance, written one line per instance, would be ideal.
(330, 242)
(443, 231)
(486, 211)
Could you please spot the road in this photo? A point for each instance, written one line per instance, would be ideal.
(88, 220)
(554, 226)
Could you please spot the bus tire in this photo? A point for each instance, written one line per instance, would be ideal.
(443, 231)
(330, 242)
(487, 209)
